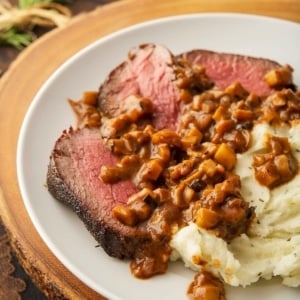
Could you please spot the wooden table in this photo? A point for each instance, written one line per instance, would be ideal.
(20, 83)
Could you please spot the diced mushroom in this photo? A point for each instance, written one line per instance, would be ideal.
(226, 156)
(280, 77)
(206, 218)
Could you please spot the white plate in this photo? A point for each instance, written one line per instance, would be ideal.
(50, 113)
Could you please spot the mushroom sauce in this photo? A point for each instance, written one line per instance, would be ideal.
(187, 175)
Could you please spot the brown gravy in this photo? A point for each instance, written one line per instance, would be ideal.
(187, 175)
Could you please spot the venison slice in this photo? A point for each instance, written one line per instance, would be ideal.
(73, 178)
(225, 68)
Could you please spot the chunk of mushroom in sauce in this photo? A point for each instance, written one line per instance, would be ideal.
(277, 165)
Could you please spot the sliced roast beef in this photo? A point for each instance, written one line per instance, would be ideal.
(73, 178)
(149, 73)
(73, 174)
(224, 69)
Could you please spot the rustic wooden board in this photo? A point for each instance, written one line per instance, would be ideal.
(26, 75)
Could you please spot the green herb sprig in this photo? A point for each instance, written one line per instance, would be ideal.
(15, 38)
(17, 23)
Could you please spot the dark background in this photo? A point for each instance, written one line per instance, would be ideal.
(8, 54)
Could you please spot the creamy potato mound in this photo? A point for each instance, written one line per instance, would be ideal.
(272, 246)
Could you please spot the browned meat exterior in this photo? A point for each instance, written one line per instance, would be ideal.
(73, 178)
(149, 73)
(224, 69)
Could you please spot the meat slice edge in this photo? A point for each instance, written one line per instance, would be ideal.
(73, 178)
(225, 68)
(149, 73)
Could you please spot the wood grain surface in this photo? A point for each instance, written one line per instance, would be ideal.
(30, 70)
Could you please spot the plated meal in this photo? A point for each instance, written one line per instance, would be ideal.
(164, 160)
(181, 159)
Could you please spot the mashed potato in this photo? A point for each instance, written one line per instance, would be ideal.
(272, 246)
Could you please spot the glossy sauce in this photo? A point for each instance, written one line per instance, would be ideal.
(187, 175)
